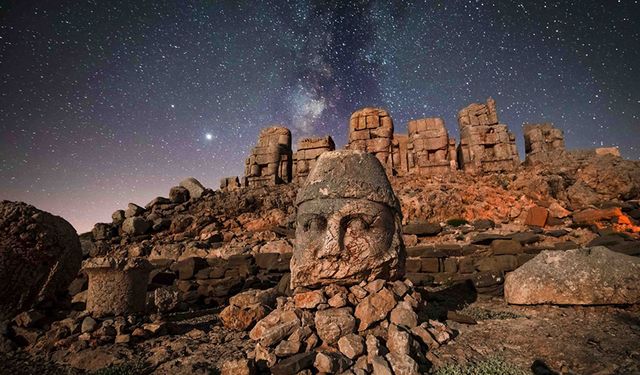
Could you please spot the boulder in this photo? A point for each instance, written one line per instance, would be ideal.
(135, 226)
(40, 255)
(590, 276)
(178, 194)
(194, 187)
(332, 324)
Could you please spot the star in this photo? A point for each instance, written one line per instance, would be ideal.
(208, 136)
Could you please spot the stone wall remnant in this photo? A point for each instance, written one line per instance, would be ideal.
(542, 142)
(399, 146)
(117, 286)
(371, 130)
(348, 223)
(309, 149)
(229, 183)
(485, 144)
(270, 161)
(430, 149)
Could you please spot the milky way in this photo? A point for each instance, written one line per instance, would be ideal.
(107, 102)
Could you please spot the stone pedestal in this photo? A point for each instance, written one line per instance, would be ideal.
(485, 144)
(117, 286)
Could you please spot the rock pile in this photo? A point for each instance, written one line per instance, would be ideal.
(485, 144)
(365, 328)
(309, 149)
(430, 149)
(542, 143)
(40, 255)
(371, 130)
(271, 160)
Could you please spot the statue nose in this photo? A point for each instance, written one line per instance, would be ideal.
(333, 240)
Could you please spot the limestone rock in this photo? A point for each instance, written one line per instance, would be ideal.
(309, 149)
(40, 254)
(351, 345)
(374, 308)
(371, 130)
(135, 226)
(270, 161)
(430, 150)
(590, 276)
(194, 187)
(332, 324)
(178, 194)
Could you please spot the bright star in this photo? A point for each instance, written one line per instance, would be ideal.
(208, 136)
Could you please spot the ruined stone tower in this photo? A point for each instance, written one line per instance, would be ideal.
(430, 149)
(371, 130)
(309, 149)
(485, 144)
(270, 161)
(542, 143)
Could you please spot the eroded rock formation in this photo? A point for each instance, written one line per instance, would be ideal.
(485, 144)
(270, 161)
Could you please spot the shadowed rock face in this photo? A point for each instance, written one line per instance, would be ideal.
(348, 226)
(40, 255)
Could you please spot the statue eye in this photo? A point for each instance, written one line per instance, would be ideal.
(316, 223)
(358, 224)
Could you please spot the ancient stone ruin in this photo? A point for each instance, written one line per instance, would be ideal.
(117, 286)
(430, 149)
(346, 312)
(270, 161)
(485, 144)
(229, 183)
(542, 143)
(309, 149)
(371, 130)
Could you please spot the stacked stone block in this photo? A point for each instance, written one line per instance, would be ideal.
(229, 183)
(309, 149)
(542, 143)
(270, 161)
(400, 145)
(371, 130)
(485, 144)
(430, 149)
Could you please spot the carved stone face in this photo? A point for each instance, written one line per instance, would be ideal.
(348, 239)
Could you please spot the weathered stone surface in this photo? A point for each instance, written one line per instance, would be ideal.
(331, 363)
(351, 345)
(179, 194)
(274, 327)
(537, 216)
(332, 324)
(242, 318)
(371, 130)
(430, 150)
(374, 308)
(353, 185)
(422, 229)
(270, 161)
(309, 149)
(133, 210)
(590, 276)
(309, 300)
(135, 226)
(40, 255)
(485, 144)
(404, 315)
(116, 286)
(242, 366)
(402, 364)
(229, 183)
(542, 143)
(194, 186)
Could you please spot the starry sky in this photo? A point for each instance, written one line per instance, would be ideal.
(108, 102)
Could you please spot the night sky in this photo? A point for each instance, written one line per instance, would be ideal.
(108, 102)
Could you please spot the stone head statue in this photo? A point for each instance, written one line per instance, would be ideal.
(348, 225)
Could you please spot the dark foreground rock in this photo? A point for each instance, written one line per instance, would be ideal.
(40, 255)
